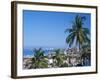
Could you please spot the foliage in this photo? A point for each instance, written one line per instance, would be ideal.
(58, 58)
(77, 32)
(39, 61)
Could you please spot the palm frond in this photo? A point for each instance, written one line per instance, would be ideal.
(77, 32)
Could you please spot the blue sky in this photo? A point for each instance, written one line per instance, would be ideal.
(46, 29)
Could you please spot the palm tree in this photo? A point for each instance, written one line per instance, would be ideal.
(86, 53)
(86, 48)
(78, 34)
(58, 58)
(39, 61)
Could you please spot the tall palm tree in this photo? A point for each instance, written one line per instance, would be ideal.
(78, 34)
(39, 61)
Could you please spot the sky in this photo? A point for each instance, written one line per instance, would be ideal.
(46, 28)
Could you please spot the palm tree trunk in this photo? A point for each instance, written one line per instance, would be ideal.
(79, 47)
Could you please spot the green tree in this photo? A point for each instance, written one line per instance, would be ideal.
(58, 58)
(77, 32)
(86, 51)
(39, 61)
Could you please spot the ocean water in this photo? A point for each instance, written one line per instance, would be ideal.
(31, 52)
(28, 52)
